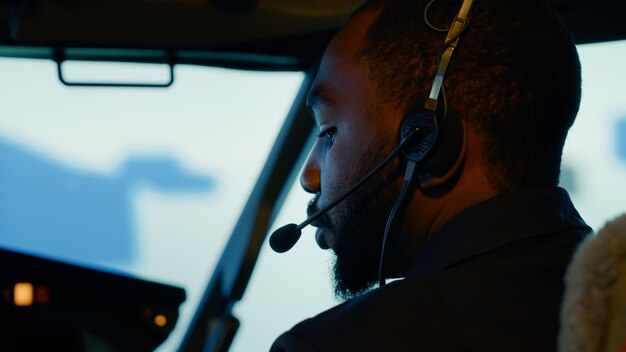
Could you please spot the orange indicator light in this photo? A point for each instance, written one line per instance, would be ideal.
(160, 320)
(23, 294)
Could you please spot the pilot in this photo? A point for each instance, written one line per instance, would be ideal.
(470, 103)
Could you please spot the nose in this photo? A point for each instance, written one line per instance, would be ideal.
(310, 176)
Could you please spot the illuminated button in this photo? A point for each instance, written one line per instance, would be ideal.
(160, 320)
(23, 294)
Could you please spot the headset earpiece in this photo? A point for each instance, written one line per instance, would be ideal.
(425, 122)
(447, 148)
(437, 145)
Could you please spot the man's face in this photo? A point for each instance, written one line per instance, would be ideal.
(357, 130)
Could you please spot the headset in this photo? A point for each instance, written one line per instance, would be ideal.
(430, 136)
(427, 129)
(427, 120)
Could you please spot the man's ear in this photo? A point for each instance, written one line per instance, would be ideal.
(447, 161)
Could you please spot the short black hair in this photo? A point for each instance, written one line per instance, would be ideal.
(514, 78)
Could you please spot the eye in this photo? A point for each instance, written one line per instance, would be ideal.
(328, 133)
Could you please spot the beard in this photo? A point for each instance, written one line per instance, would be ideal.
(358, 225)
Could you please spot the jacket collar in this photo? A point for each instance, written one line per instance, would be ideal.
(496, 222)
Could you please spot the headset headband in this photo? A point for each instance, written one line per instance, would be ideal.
(452, 39)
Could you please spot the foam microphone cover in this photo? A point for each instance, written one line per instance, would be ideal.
(284, 238)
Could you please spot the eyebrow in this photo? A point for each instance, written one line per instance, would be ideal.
(317, 96)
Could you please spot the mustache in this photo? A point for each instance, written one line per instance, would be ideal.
(312, 208)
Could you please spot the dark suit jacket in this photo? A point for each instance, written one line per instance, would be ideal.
(490, 280)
